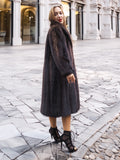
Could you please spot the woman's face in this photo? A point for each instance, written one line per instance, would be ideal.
(58, 14)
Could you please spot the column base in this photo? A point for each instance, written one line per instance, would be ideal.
(17, 41)
(108, 35)
(42, 40)
(92, 36)
(74, 37)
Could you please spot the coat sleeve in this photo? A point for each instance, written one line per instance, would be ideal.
(59, 51)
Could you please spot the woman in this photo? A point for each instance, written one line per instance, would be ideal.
(60, 95)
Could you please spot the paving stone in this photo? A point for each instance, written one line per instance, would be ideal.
(8, 131)
(16, 103)
(1, 155)
(19, 122)
(114, 150)
(98, 158)
(31, 120)
(109, 153)
(32, 141)
(91, 115)
(81, 152)
(92, 140)
(24, 108)
(10, 153)
(108, 140)
(14, 113)
(13, 143)
(117, 158)
(28, 156)
(92, 156)
(36, 134)
(5, 158)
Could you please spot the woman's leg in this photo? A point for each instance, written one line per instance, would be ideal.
(52, 122)
(66, 123)
(53, 130)
(66, 137)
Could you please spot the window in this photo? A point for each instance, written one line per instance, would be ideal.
(29, 21)
(79, 21)
(5, 22)
(98, 18)
(112, 19)
(117, 24)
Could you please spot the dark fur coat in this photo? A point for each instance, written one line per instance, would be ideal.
(58, 97)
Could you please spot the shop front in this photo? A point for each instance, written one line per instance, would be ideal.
(5, 22)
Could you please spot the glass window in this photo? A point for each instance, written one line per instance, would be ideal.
(117, 24)
(112, 19)
(29, 21)
(98, 18)
(66, 8)
(79, 21)
(5, 22)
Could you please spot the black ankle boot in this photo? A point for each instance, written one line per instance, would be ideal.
(66, 138)
(55, 134)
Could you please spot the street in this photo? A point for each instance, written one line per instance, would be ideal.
(24, 131)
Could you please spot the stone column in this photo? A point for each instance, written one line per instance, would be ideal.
(16, 40)
(118, 10)
(73, 21)
(119, 22)
(93, 22)
(36, 23)
(86, 10)
(106, 31)
(42, 21)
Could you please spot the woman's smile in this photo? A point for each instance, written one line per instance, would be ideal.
(58, 15)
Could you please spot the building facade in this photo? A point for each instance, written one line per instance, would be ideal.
(26, 21)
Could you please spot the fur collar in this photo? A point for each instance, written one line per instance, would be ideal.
(65, 31)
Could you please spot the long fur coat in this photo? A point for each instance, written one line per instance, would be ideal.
(59, 98)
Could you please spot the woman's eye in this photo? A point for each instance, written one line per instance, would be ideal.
(55, 14)
(60, 12)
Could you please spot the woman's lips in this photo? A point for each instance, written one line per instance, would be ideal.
(60, 20)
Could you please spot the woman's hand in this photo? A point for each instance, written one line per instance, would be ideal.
(71, 78)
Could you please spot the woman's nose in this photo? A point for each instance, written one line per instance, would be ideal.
(59, 15)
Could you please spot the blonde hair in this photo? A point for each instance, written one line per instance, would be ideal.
(52, 17)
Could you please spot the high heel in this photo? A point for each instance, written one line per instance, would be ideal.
(66, 138)
(55, 134)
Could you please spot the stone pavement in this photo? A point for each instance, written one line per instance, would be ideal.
(24, 131)
(107, 147)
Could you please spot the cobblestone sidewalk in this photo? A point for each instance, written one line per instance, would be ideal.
(107, 147)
